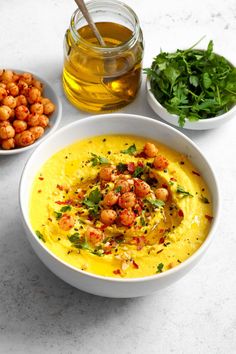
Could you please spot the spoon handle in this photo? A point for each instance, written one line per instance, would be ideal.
(84, 10)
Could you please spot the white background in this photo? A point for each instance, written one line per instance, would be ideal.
(41, 314)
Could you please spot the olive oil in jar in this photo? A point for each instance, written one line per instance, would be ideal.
(102, 79)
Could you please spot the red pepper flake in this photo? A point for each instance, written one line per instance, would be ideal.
(196, 173)
(140, 164)
(162, 240)
(209, 217)
(173, 179)
(117, 271)
(107, 252)
(135, 265)
(103, 227)
(41, 178)
(164, 186)
(131, 167)
(68, 202)
(60, 187)
(141, 154)
(181, 213)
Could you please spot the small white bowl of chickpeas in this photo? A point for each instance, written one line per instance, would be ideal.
(30, 109)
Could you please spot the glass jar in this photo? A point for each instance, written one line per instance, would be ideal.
(103, 79)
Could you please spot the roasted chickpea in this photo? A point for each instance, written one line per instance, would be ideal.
(8, 144)
(22, 112)
(37, 133)
(37, 84)
(3, 93)
(13, 89)
(34, 95)
(3, 85)
(127, 200)
(43, 121)
(45, 100)
(36, 108)
(48, 108)
(7, 76)
(7, 132)
(162, 194)
(19, 125)
(21, 100)
(5, 112)
(66, 222)
(4, 123)
(160, 162)
(107, 173)
(122, 185)
(24, 139)
(15, 77)
(27, 77)
(141, 188)
(150, 150)
(23, 87)
(94, 236)
(111, 198)
(108, 216)
(9, 101)
(127, 217)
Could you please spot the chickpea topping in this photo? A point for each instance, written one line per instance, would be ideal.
(66, 222)
(150, 150)
(3, 93)
(27, 77)
(4, 123)
(34, 95)
(107, 173)
(141, 188)
(21, 100)
(13, 89)
(110, 199)
(23, 87)
(160, 162)
(43, 121)
(7, 132)
(19, 125)
(162, 194)
(122, 185)
(5, 112)
(127, 200)
(94, 236)
(7, 76)
(108, 216)
(127, 217)
(8, 144)
(38, 85)
(49, 108)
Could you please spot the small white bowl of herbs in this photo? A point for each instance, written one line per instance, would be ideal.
(192, 88)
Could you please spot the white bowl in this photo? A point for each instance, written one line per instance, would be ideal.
(114, 124)
(202, 124)
(55, 117)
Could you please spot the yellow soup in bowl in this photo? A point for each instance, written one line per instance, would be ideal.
(120, 206)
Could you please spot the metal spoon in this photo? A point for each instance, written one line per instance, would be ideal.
(84, 10)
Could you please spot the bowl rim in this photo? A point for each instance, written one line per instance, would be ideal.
(109, 279)
(175, 116)
(50, 129)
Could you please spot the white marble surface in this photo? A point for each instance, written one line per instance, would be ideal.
(41, 314)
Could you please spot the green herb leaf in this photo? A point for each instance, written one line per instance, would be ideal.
(57, 215)
(142, 221)
(74, 238)
(121, 167)
(65, 208)
(118, 189)
(40, 235)
(130, 151)
(92, 202)
(156, 203)
(181, 190)
(138, 171)
(160, 268)
(98, 160)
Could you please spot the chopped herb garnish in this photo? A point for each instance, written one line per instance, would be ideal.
(204, 199)
(98, 160)
(138, 171)
(121, 167)
(57, 215)
(118, 189)
(160, 268)
(74, 238)
(130, 151)
(65, 208)
(92, 201)
(40, 235)
(142, 221)
(184, 193)
(156, 203)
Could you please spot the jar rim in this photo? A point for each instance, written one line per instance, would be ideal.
(121, 47)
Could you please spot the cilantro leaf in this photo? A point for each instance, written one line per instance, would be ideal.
(138, 171)
(156, 203)
(121, 167)
(57, 215)
(74, 238)
(98, 160)
(184, 193)
(40, 235)
(160, 268)
(92, 201)
(130, 151)
(65, 208)
(204, 199)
